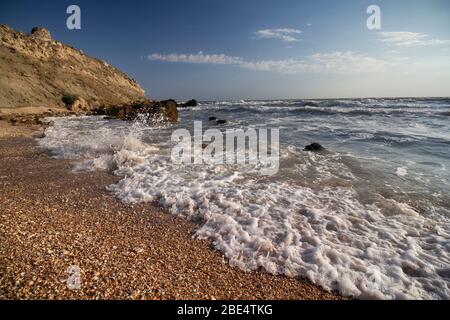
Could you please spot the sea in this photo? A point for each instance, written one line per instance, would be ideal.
(368, 218)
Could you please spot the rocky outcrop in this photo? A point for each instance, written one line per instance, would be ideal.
(145, 110)
(41, 34)
(33, 117)
(79, 105)
(38, 71)
(314, 147)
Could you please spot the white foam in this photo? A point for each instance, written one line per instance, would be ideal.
(315, 227)
(402, 172)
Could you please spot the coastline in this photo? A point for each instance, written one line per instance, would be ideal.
(53, 219)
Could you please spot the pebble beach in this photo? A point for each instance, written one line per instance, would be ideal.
(52, 219)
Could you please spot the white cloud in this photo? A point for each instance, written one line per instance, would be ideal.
(336, 62)
(410, 39)
(283, 34)
(199, 58)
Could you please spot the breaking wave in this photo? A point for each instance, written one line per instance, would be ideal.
(365, 225)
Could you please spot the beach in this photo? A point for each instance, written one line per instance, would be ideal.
(240, 152)
(102, 198)
(52, 219)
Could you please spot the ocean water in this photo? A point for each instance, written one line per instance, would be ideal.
(368, 219)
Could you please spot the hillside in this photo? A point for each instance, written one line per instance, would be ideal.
(37, 72)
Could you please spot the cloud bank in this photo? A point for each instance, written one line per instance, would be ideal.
(410, 39)
(335, 62)
(199, 58)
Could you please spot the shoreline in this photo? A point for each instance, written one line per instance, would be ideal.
(53, 219)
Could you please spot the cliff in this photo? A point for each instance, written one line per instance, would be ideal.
(42, 77)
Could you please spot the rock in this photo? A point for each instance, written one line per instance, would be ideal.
(41, 34)
(145, 110)
(314, 147)
(49, 123)
(221, 121)
(309, 104)
(24, 119)
(79, 105)
(5, 28)
(190, 103)
(212, 119)
(169, 110)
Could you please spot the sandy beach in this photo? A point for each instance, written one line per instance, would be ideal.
(52, 219)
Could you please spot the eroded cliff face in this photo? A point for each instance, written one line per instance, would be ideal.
(37, 73)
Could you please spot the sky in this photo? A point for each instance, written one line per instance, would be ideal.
(258, 49)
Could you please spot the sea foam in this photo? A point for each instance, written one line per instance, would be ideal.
(317, 226)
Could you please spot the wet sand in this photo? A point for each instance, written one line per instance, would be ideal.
(52, 219)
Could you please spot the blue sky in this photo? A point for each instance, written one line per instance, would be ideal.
(211, 49)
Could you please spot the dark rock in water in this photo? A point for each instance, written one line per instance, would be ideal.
(190, 103)
(315, 147)
(221, 121)
(145, 110)
(212, 119)
(309, 104)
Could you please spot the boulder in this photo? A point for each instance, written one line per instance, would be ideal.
(314, 147)
(190, 103)
(169, 110)
(221, 121)
(212, 119)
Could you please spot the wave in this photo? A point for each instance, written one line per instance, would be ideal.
(328, 107)
(308, 222)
